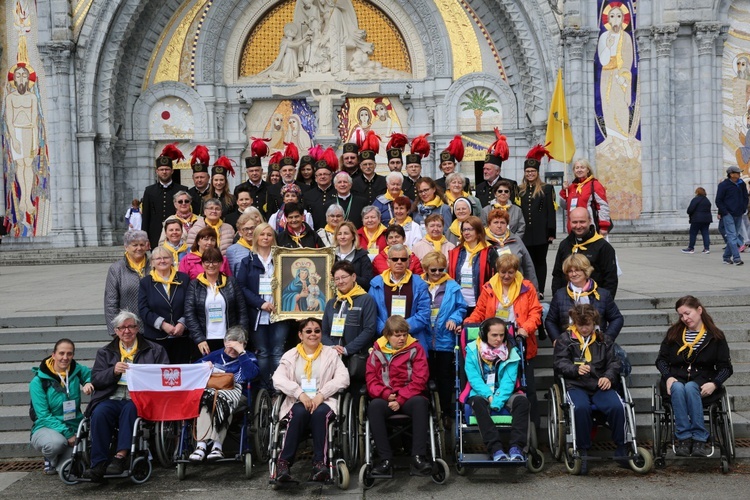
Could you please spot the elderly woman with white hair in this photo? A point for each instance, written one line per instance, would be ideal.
(394, 182)
(454, 189)
(334, 217)
(124, 277)
(245, 228)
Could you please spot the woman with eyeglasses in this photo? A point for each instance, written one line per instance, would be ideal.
(214, 304)
(472, 262)
(192, 264)
(586, 191)
(447, 312)
(347, 248)
(309, 376)
(502, 201)
(223, 232)
(461, 212)
(334, 217)
(245, 227)
(431, 201)
(183, 212)
(161, 305)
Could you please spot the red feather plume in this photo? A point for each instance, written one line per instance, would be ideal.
(225, 162)
(171, 151)
(259, 147)
(500, 146)
(538, 152)
(420, 146)
(291, 151)
(371, 142)
(397, 141)
(199, 155)
(275, 158)
(316, 152)
(329, 156)
(456, 148)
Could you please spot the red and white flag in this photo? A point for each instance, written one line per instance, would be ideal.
(167, 392)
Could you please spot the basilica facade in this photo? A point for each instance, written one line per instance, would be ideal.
(658, 93)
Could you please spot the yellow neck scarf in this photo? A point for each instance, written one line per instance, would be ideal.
(220, 283)
(386, 348)
(51, 365)
(435, 284)
(189, 221)
(168, 281)
(175, 252)
(372, 239)
(514, 290)
(128, 356)
(582, 246)
(245, 243)
(500, 239)
(197, 252)
(497, 205)
(691, 345)
(354, 292)
(580, 185)
(402, 224)
(436, 244)
(455, 227)
(451, 199)
(309, 359)
(585, 345)
(436, 202)
(394, 286)
(216, 227)
(473, 252)
(389, 196)
(330, 229)
(584, 294)
(140, 268)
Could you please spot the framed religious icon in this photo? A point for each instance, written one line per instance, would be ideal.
(301, 283)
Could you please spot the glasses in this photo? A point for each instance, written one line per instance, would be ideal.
(340, 279)
(212, 209)
(424, 191)
(308, 331)
(247, 229)
(160, 259)
(398, 259)
(183, 202)
(437, 270)
(123, 328)
(335, 216)
(210, 263)
(506, 191)
(470, 229)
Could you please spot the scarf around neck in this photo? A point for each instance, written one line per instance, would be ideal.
(437, 245)
(349, 296)
(387, 280)
(386, 348)
(490, 354)
(514, 290)
(309, 359)
(583, 342)
(690, 346)
(167, 282)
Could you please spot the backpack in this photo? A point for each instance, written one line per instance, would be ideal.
(46, 384)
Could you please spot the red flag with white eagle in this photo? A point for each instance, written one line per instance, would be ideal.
(167, 392)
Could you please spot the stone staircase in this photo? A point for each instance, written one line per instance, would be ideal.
(25, 340)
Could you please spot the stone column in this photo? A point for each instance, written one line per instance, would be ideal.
(64, 190)
(577, 93)
(106, 187)
(646, 77)
(709, 131)
(663, 37)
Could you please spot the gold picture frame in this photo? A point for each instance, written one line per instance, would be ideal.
(301, 282)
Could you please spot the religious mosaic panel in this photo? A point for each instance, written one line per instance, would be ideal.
(617, 105)
(282, 121)
(736, 91)
(382, 115)
(480, 109)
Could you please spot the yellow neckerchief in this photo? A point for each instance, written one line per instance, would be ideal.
(386, 348)
(138, 268)
(451, 199)
(390, 197)
(394, 286)
(373, 239)
(63, 375)
(582, 246)
(690, 345)
(189, 221)
(435, 284)
(220, 283)
(436, 202)
(309, 359)
(197, 253)
(497, 205)
(456, 228)
(499, 239)
(583, 294)
(126, 355)
(580, 185)
(216, 228)
(402, 224)
(471, 253)
(349, 296)
(175, 252)
(168, 281)
(585, 350)
(330, 229)
(514, 290)
(436, 244)
(244, 243)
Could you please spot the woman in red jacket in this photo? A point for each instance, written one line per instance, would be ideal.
(396, 377)
(586, 191)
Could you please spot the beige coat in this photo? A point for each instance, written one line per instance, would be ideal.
(226, 231)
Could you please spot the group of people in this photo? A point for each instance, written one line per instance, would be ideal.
(414, 264)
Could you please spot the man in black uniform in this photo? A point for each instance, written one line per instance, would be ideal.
(157, 198)
(349, 159)
(493, 161)
(288, 170)
(449, 158)
(199, 162)
(319, 196)
(255, 184)
(368, 185)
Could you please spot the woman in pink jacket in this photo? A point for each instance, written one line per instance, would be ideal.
(191, 264)
(310, 376)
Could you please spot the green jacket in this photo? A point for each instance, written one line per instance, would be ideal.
(48, 403)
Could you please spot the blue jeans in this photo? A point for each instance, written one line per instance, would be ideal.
(268, 342)
(688, 412)
(107, 415)
(607, 402)
(731, 230)
(701, 227)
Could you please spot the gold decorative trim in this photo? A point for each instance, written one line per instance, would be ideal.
(467, 57)
(80, 12)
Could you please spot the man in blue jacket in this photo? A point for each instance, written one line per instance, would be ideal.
(731, 202)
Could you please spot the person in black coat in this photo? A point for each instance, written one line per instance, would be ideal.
(319, 196)
(347, 248)
(257, 187)
(352, 204)
(699, 212)
(297, 234)
(157, 200)
(368, 185)
(161, 305)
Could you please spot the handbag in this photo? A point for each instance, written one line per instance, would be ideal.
(221, 381)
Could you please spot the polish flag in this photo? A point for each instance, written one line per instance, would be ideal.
(167, 392)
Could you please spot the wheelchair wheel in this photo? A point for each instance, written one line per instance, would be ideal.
(555, 422)
(440, 428)
(364, 477)
(350, 432)
(167, 438)
(461, 469)
(642, 462)
(141, 471)
(262, 409)
(728, 427)
(442, 472)
(361, 426)
(181, 471)
(573, 465)
(68, 472)
(724, 465)
(248, 460)
(342, 475)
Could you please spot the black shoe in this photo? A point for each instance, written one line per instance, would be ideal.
(117, 466)
(282, 471)
(319, 472)
(584, 462)
(683, 448)
(382, 469)
(621, 457)
(96, 473)
(700, 449)
(420, 466)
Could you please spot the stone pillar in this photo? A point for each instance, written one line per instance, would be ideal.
(646, 77)
(709, 132)
(87, 188)
(106, 187)
(66, 223)
(663, 37)
(577, 93)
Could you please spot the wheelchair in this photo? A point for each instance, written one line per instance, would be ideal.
(561, 428)
(139, 470)
(466, 424)
(338, 471)
(717, 413)
(401, 427)
(247, 436)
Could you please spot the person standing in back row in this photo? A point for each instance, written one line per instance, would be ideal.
(731, 203)
(157, 200)
(699, 212)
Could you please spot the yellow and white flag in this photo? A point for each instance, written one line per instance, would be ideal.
(559, 134)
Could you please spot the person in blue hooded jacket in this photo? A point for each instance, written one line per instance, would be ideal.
(55, 394)
(491, 369)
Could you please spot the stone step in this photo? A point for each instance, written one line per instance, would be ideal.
(87, 318)
(710, 300)
(640, 335)
(17, 353)
(646, 317)
(21, 255)
(48, 337)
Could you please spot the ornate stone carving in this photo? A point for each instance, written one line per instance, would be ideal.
(705, 36)
(56, 57)
(663, 36)
(575, 40)
(645, 42)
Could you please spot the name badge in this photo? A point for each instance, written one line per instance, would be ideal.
(309, 387)
(373, 251)
(573, 203)
(337, 329)
(265, 286)
(504, 250)
(69, 410)
(491, 380)
(398, 305)
(467, 279)
(433, 316)
(502, 313)
(215, 314)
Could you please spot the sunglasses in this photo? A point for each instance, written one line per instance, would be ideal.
(399, 259)
(316, 331)
(440, 270)
(183, 202)
(503, 191)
